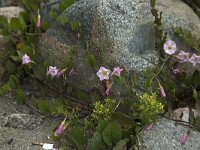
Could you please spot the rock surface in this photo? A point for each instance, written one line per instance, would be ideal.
(23, 121)
(121, 31)
(165, 136)
(9, 12)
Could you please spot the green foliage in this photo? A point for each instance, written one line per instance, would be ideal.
(12, 83)
(112, 133)
(63, 19)
(122, 144)
(187, 38)
(96, 142)
(76, 135)
(16, 24)
(55, 106)
(75, 25)
(20, 96)
(10, 67)
(149, 107)
(103, 111)
(65, 4)
(4, 25)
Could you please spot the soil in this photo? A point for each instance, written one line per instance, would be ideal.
(20, 138)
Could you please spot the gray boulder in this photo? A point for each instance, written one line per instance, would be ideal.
(121, 33)
(165, 135)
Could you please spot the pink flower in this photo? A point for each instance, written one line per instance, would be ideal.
(169, 47)
(162, 91)
(61, 72)
(176, 71)
(103, 73)
(183, 138)
(194, 59)
(117, 71)
(183, 57)
(53, 71)
(149, 127)
(38, 20)
(108, 87)
(26, 59)
(60, 129)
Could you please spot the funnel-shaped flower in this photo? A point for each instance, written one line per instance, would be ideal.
(53, 71)
(162, 91)
(183, 57)
(60, 129)
(61, 72)
(183, 138)
(38, 20)
(195, 59)
(117, 71)
(26, 59)
(169, 47)
(103, 73)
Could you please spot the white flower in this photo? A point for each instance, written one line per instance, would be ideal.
(103, 73)
(169, 47)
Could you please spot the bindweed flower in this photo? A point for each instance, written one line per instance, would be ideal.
(103, 73)
(26, 59)
(162, 91)
(149, 127)
(61, 72)
(169, 47)
(38, 20)
(176, 71)
(108, 87)
(194, 59)
(183, 57)
(53, 71)
(183, 138)
(117, 71)
(60, 129)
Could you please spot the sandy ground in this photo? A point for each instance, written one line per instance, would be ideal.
(21, 139)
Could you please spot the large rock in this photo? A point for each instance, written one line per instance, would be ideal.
(121, 31)
(165, 135)
(23, 121)
(10, 12)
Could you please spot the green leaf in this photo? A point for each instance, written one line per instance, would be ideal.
(83, 96)
(195, 95)
(63, 19)
(96, 142)
(75, 25)
(10, 67)
(195, 78)
(77, 136)
(65, 4)
(16, 58)
(43, 106)
(112, 133)
(124, 120)
(4, 26)
(91, 60)
(53, 14)
(121, 145)
(3, 22)
(20, 96)
(45, 25)
(101, 125)
(15, 24)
